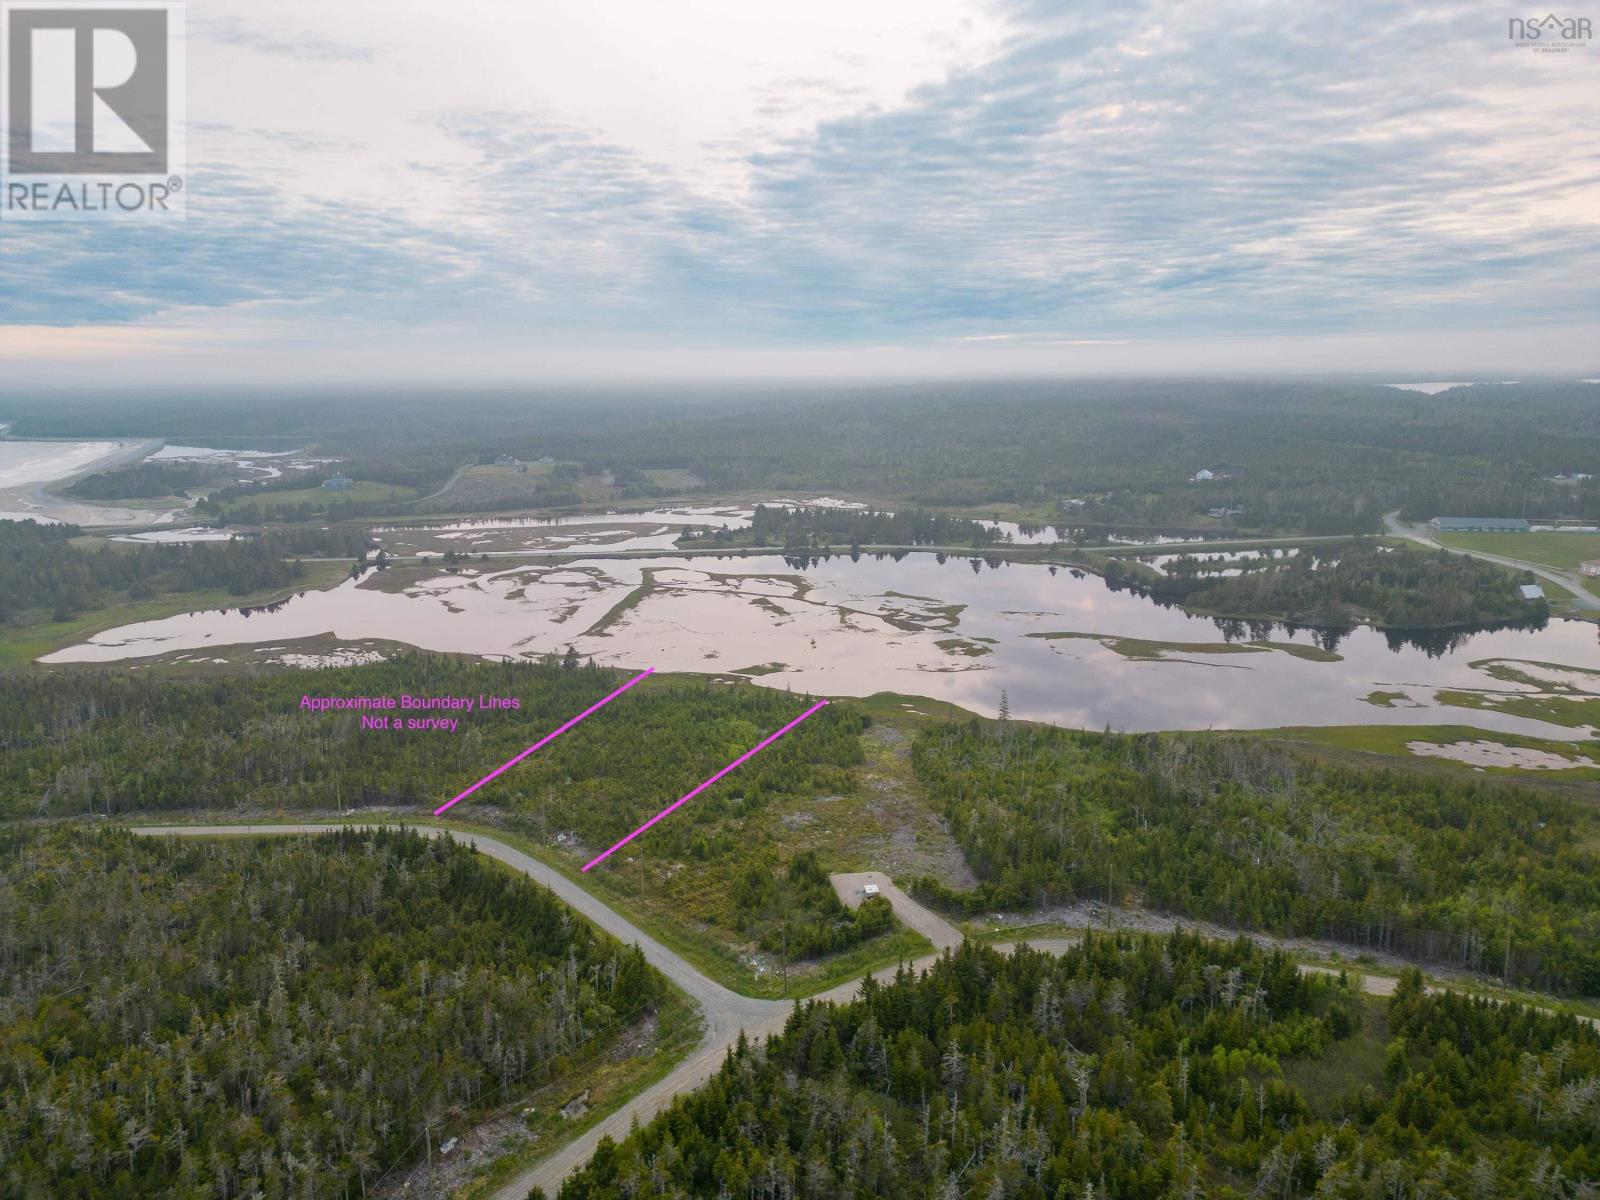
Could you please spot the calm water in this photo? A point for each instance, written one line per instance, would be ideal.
(916, 625)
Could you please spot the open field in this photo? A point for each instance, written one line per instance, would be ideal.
(363, 492)
(1564, 551)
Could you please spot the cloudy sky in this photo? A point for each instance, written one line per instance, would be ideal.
(387, 189)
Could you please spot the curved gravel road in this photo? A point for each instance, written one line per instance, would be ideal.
(1566, 580)
(726, 1012)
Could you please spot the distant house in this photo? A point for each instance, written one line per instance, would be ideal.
(1479, 525)
(869, 890)
(1569, 478)
(507, 460)
(1224, 514)
(1203, 475)
(1591, 568)
(1531, 591)
(338, 483)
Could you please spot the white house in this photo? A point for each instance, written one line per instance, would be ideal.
(869, 890)
(1592, 567)
(1531, 591)
(1202, 475)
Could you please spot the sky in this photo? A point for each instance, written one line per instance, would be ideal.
(488, 191)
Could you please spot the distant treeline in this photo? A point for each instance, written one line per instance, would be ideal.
(1130, 1069)
(1337, 586)
(1483, 876)
(1294, 457)
(44, 576)
(142, 480)
(809, 528)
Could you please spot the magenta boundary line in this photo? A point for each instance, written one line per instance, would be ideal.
(547, 738)
(688, 796)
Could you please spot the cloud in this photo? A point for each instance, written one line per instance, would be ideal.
(1157, 174)
(233, 31)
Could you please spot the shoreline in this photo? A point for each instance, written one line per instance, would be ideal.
(35, 499)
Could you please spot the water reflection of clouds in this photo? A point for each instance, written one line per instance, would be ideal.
(840, 631)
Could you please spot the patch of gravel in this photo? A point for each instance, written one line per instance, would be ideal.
(915, 840)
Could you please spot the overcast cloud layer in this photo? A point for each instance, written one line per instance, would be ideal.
(478, 190)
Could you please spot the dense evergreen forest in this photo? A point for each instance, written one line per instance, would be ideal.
(1337, 586)
(114, 743)
(802, 529)
(145, 480)
(1292, 457)
(1469, 873)
(282, 1017)
(43, 575)
(1152, 1069)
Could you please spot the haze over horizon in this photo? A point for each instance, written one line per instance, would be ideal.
(952, 188)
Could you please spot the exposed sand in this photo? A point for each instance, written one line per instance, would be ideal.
(28, 467)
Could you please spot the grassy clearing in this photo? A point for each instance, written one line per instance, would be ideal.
(20, 647)
(1564, 551)
(1348, 1066)
(679, 478)
(1567, 711)
(363, 492)
(884, 823)
(910, 711)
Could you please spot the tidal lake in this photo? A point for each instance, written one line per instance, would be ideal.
(1064, 646)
